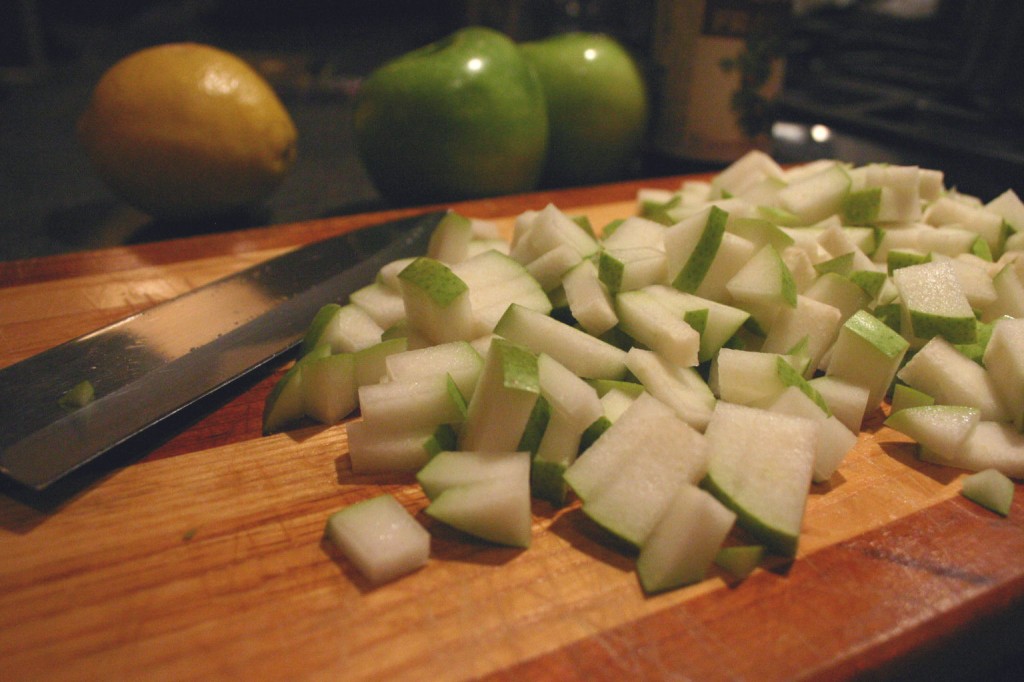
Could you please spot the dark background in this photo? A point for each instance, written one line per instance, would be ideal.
(933, 83)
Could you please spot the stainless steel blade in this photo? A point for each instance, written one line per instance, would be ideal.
(149, 366)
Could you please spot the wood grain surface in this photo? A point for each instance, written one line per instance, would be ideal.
(198, 554)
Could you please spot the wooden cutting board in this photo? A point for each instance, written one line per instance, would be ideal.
(199, 553)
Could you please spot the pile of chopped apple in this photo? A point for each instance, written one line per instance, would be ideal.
(696, 366)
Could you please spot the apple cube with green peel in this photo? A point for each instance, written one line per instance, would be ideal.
(991, 489)
(574, 407)
(685, 540)
(344, 328)
(457, 359)
(383, 304)
(934, 302)
(847, 401)
(947, 211)
(285, 404)
(951, 378)
(496, 281)
(722, 323)
(868, 353)
(900, 195)
(740, 560)
(374, 449)
(625, 269)
(506, 392)
(437, 303)
(764, 280)
(547, 229)
(733, 253)
(839, 292)
(549, 267)
(1009, 286)
(452, 468)
(691, 247)
(834, 440)
(818, 195)
(680, 388)
(1004, 363)
(491, 502)
(449, 242)
(586, 355)
(655, 326)
(760, 465)
(370, 364)
(755, 378)
(630, 501)
(425, 402)
(589, 300)
(812, 321)
(939, 429)
(904, 396)
(380, 538)
(605, 458)
(746, 172)
(990, 445)
(329, 388)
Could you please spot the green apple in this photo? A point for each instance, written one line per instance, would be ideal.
(597, 106)
(462, 117)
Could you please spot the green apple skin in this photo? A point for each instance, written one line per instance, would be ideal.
(597, 106)
(460, 118)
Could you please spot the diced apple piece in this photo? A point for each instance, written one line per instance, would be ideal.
(740, 560)
(457, 359)
(1004, 363)
(495, 510)
(437, 303)
(934, 302)
(425, 402)
(329, 388)
(949, 376)
(818, 195)
(506, 392)
(646, 320)
(691, 247)
(722, 323)
(760, 466)
(991, 489)
(939, 429)
(834, 439)
(380, 538)
(374, 448)
(586, 355)
(867, 353)
(680, 388)
(454, 468)
(285, 404)
(589, 300)
(990, 445)
(449, 243)
(631, 501)
(685, 540)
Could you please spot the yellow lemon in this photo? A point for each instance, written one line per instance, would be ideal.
(187, 131)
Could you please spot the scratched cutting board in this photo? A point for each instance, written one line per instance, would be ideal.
(205, 560)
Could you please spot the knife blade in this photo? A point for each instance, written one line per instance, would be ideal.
(153, 364)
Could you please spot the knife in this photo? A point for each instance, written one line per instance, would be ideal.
(153, 364)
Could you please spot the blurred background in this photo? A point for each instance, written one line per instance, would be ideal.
(931, 82)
